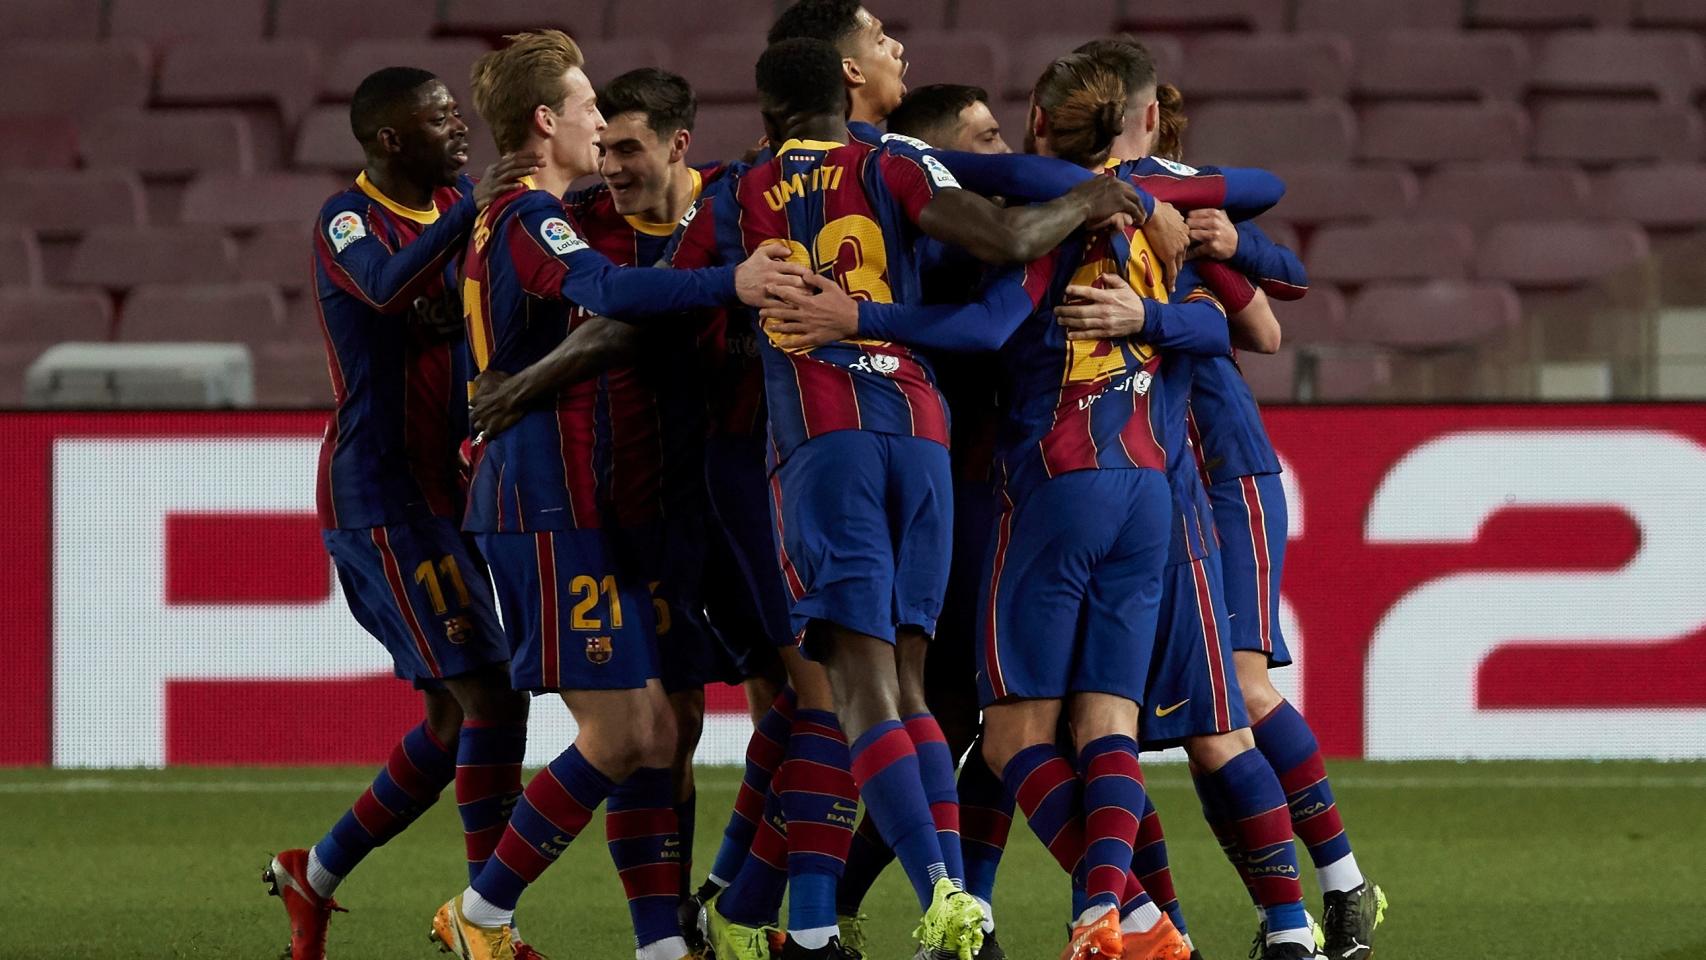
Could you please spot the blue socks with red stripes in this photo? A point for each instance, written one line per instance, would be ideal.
(1284, 738)
(1113, 795)
(488, 782)
(1246, 795)
(1149, 863)
(754, 897)
(936, 769)
(418, 770)
(764, 753)
(1047, 789)
(552, 811)
(820, 806)
(686, 815)
(986, 816)
(886, 768)
(641, 831)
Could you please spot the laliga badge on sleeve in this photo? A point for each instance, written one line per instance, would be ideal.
(345, 229)
(939, 175)
(560, 237)
(1179, 168)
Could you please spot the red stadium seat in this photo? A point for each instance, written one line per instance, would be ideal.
(451, 60)
(1368, 17)
(119, 258)
(673, 19)
(1351, 376)
(20, 258)
(169, 143)
(1016, 19)
(1664, 196)
(1559, 253)
(39, 143)
(281, 255)
(188, 20)
(1536, 14)
(1268, 134)
(975, 57)
(51, 19)
(324, 142)
(280, 73)
(495, 18)
(1423, 134)
(1273, 379)
(1317, 193)
(1671, 66)
(73, 79)
(608, 58)
(1257, 15)
(1602, 132)
(292, 376)
(1262, 65)
(1670, 13)
(334, 23)
(202, 313)
(45, 317)
(1480, 194)
(1432, 316)
(1435, 64)
(719, 65)
(725, 132)
(1391, 250)
(1317, 318)
(65, 203)
(239, 202)
(1028, 56)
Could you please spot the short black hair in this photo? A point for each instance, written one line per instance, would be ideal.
(932, 109)
(831, 21)
(380, 97)
(1126, 57)
(800, 77)
(665, 98)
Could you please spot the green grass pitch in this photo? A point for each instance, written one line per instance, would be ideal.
(1490, 860)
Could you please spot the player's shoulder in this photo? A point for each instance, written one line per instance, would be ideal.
(343, 217)
(447, 196)
(1156, 167)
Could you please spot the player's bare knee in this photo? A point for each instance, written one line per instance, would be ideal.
(1210, 753)
(1260, 696)
(443, 716)
(688, 708)
(912, 648)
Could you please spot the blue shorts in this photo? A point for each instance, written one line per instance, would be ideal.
(753, 626)
(742, 643)
(864, 522)
(1249, 513)
(672, 556)
(1193, 686)
(1073, 587)
(950, 669)
(577, 617)
(418, 588)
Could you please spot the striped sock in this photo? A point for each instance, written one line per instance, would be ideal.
(1220, 823)
(1043, 784)
(640, 829)
(686, 816)
(754, 897)
(552, 811)
(1113, 795)
(867, 857)
(1138, 913)
(986, 816)
(820, 806)
(417, 771)
(488, 782)
(1289, 745)
(885, 766)
(1149, 863)
(763, 754)
(1251, 798)
(936, 768)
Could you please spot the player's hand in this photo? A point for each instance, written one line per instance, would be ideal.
(1101, 312)
(1105, 198)
(504, 174)
(1212, 234)
(799, 318)
(767, 267)
(1169, 237)
(496, 405)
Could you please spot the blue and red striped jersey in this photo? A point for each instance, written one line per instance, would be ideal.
(849, 211)
(1226, 423)
(382, 271)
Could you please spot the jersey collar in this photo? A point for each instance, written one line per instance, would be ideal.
(422, 217)
(808, 145)
(651, 229)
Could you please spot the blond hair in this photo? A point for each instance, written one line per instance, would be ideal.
(1085, 103)
(1169, 133)
(509, 84)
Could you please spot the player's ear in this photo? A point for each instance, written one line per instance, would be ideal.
(1152, 116)
(1038, 120)
(544, 121)
(851, 73)
(678, 145)
(388, 140)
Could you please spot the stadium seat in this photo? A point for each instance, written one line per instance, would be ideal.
(292, 376)
(976, 57)
(169, 143)
(1317, 193)
(725, 132)
(1549, 14)
(333, 23)
(65, 203)
(1432, 316)
(119, 258)
(180, 21)
(20, 258)
(611, 57)
(1391, 250)
(1599, 132)
(1437, 64)
(1670, 13)
(1423, 134)
(51, 19)
(1256, 15)
(1317, 318)
(1254, 66)
(1015, 19)
(1269, 134)
(1480, 194)
(324, 142)
(1670, 65)
(495, 18)
(671, 19)
(1664, 196)
(44, 78)
(1558, 253)
(46, 316)
(451, 60)
(279, 73)
(1361, 18)
(1351, 376)
(719, 65)
(202, 313)
(280, 254)
(900, 20)
(1282, 233)
(1272, 378)
(245, 202)
(39, 143)
(1027, 56)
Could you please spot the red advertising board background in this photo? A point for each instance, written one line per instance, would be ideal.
(1552, 555)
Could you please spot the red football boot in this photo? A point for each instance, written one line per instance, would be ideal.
(287, 878)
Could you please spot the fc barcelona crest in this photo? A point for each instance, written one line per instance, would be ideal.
(599, 650)
(458, 629)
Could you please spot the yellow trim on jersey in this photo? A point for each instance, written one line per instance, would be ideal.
(422, 217)
(808, 145)
(651, 229)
